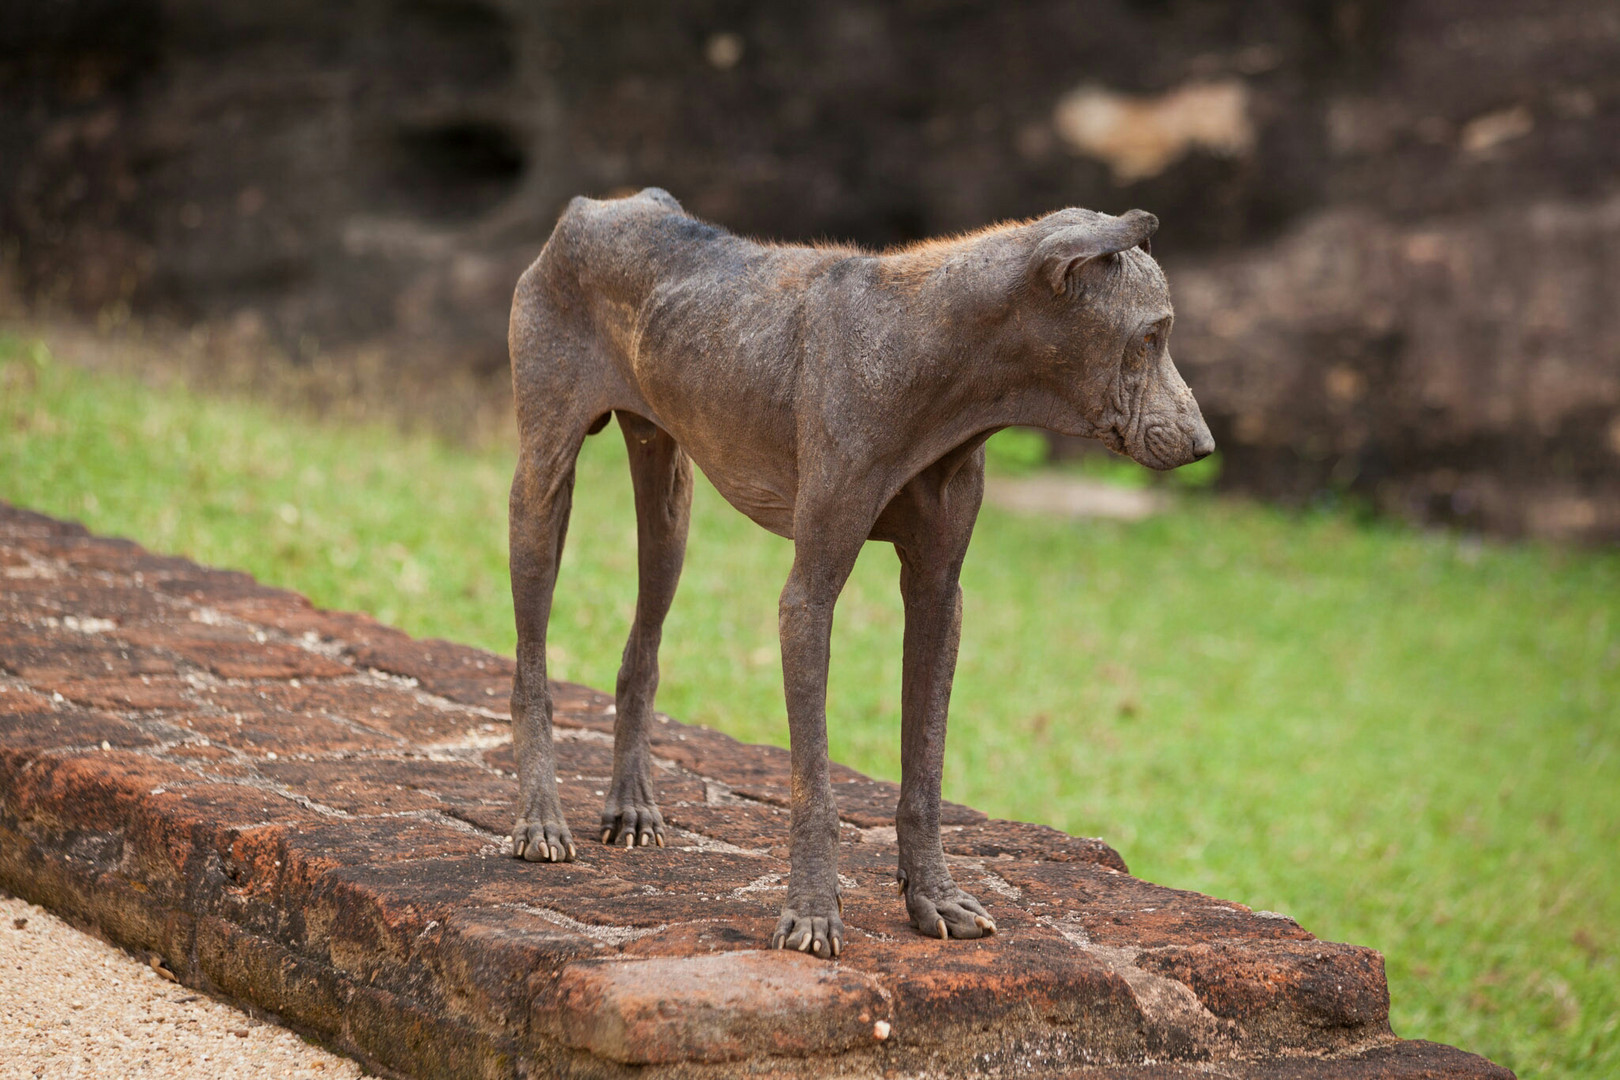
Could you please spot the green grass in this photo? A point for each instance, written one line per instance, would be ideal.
(1404, 739)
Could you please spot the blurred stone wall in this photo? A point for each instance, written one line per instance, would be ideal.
(1392, 226)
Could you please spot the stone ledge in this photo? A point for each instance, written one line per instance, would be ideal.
(305, 811)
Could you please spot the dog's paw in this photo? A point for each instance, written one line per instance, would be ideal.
(944, 911)
(817, 934)
(633, 821)
(542, 840)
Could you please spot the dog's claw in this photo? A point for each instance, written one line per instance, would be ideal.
(944, 911)
(632, 824)
(534, 840)
(818, 935)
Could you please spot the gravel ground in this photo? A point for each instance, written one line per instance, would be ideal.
(73, 1006)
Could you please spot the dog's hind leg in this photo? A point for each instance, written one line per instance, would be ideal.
(662, 475)
(542, 493)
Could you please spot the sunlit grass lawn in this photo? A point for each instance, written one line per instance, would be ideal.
(1403, 739)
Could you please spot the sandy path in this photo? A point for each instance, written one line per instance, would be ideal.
(73, 1006)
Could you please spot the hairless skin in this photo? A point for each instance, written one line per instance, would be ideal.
(834, 396)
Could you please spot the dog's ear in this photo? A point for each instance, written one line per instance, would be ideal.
(1063, 252)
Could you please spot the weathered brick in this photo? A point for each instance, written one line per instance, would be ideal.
(94, 602)
(274, 731)
(48, 655)
(1280, 991)
(67, 727)
(378, 785)
(252, 968)
(383, 709)
(996, 838)
(494, 962)
(213, 588)
(725, 1007)
(253, 660)
(451, 671)
(16, 701)
(123, 693)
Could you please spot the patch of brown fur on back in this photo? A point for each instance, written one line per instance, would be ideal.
(796, 275)
(830, 247)
(939, 248)
(915, 260)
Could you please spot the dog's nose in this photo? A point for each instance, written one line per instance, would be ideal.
(1203, 445)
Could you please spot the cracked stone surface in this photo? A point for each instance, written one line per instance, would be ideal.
(306, 811)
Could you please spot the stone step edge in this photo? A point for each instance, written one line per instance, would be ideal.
(395, 1036)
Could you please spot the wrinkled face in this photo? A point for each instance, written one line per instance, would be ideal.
(1132, 394)
(1154, 418)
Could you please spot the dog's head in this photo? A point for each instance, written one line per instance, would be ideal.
(1099, 321)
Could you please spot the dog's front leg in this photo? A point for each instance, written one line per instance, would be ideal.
(810, 919)
(933, 599)
(936, 522)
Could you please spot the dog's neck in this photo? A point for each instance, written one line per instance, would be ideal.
(967, 341)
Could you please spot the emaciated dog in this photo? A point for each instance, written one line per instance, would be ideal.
(833, 396)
